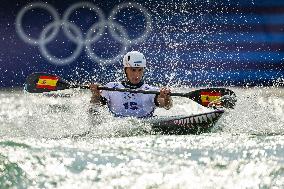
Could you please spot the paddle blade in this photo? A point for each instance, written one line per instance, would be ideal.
(44, 82)
(214, 97)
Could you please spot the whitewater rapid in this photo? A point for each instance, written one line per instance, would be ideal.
(244, 150)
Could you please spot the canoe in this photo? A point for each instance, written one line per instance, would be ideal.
(171, 125)
(182, 125)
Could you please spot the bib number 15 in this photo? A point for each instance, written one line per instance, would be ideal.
(131, 105)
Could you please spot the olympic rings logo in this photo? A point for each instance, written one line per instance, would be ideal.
(76, 36)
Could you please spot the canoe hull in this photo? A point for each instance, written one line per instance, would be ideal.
(180, 125)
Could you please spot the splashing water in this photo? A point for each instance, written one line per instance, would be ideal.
(245, 149)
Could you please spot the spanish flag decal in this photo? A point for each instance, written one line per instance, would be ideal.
(47, 82)
(207, 97)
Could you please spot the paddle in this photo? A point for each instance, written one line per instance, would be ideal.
(44, 82)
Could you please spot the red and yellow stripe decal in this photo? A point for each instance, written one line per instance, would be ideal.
(207, 97)
(47, 82)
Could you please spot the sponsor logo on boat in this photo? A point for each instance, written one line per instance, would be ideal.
(196, 119)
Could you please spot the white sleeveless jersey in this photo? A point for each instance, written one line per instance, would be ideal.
(130, 104)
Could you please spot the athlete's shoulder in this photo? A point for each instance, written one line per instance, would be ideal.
(149, 87)
(114, 85)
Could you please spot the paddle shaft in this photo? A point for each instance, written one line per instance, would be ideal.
(130, 90)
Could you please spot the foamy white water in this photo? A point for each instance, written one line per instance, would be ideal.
(245, 150)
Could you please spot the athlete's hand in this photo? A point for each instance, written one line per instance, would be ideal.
(164, 99)
(95, 93)
(94, 89)
(164, 92)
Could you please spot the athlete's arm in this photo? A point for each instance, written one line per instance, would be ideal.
(96, 97)
(164, 99)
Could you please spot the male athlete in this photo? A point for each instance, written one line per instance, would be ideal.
(124, 104)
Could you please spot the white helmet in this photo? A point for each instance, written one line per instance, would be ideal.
(134, 59)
